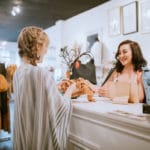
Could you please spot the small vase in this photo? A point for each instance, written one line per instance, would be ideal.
(68, 74)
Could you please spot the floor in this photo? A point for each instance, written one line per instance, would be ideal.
(7, 144)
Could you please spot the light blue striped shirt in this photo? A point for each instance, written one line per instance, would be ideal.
(41, 113)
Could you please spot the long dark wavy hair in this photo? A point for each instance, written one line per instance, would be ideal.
(137, 57)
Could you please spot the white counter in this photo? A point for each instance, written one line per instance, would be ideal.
(102, 125)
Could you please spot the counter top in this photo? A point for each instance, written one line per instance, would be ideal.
(104, 106)
(108, 126)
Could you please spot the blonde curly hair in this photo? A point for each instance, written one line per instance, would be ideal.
(28, 40)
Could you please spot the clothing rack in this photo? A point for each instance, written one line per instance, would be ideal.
(4, 136)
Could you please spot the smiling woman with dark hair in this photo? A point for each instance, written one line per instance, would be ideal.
(128, 69)
(137, 57)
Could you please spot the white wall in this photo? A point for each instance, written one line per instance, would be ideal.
(55, 36)
(8, 53)
(75, 30)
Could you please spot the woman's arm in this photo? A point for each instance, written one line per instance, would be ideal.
(140, 87)
(104, 89)
(70, 90)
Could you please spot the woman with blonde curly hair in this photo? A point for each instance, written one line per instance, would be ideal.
(41, 113)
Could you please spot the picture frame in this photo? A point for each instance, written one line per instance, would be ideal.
(91, 40)
(114, 21)
(145, 16)
(91, 35)
(130, 18)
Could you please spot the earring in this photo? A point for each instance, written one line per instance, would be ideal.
(38, 57)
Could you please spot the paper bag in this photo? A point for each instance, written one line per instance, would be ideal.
(119, 92)
(133, 95)
(123, 92)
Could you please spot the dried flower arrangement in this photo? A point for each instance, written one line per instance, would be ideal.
(69, 55)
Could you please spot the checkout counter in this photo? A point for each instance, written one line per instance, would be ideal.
(103, 125)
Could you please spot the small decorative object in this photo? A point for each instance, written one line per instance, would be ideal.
(130, 19)
(69, 56)
(145, 16)
(114, 21)
(68, 74)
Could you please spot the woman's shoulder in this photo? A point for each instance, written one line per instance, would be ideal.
(30, 69)
(114, 72)
(43, 71)
(109, 75)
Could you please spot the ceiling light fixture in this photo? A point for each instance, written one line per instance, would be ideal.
(15, 10)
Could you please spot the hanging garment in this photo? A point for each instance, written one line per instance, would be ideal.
(4, 105)
(10, 69)
(41, 113)
(3, 84)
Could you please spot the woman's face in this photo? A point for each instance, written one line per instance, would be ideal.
(125, 54)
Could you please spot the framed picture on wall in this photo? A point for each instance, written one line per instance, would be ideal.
(91, 36)
(145, 16)
(114, 21)
(91, 40)
(130, 18)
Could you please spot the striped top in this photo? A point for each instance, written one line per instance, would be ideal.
(41, 113)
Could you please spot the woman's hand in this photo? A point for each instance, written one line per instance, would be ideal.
(70, 90)
(92, 86)
(103, 91)
(63, 85)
